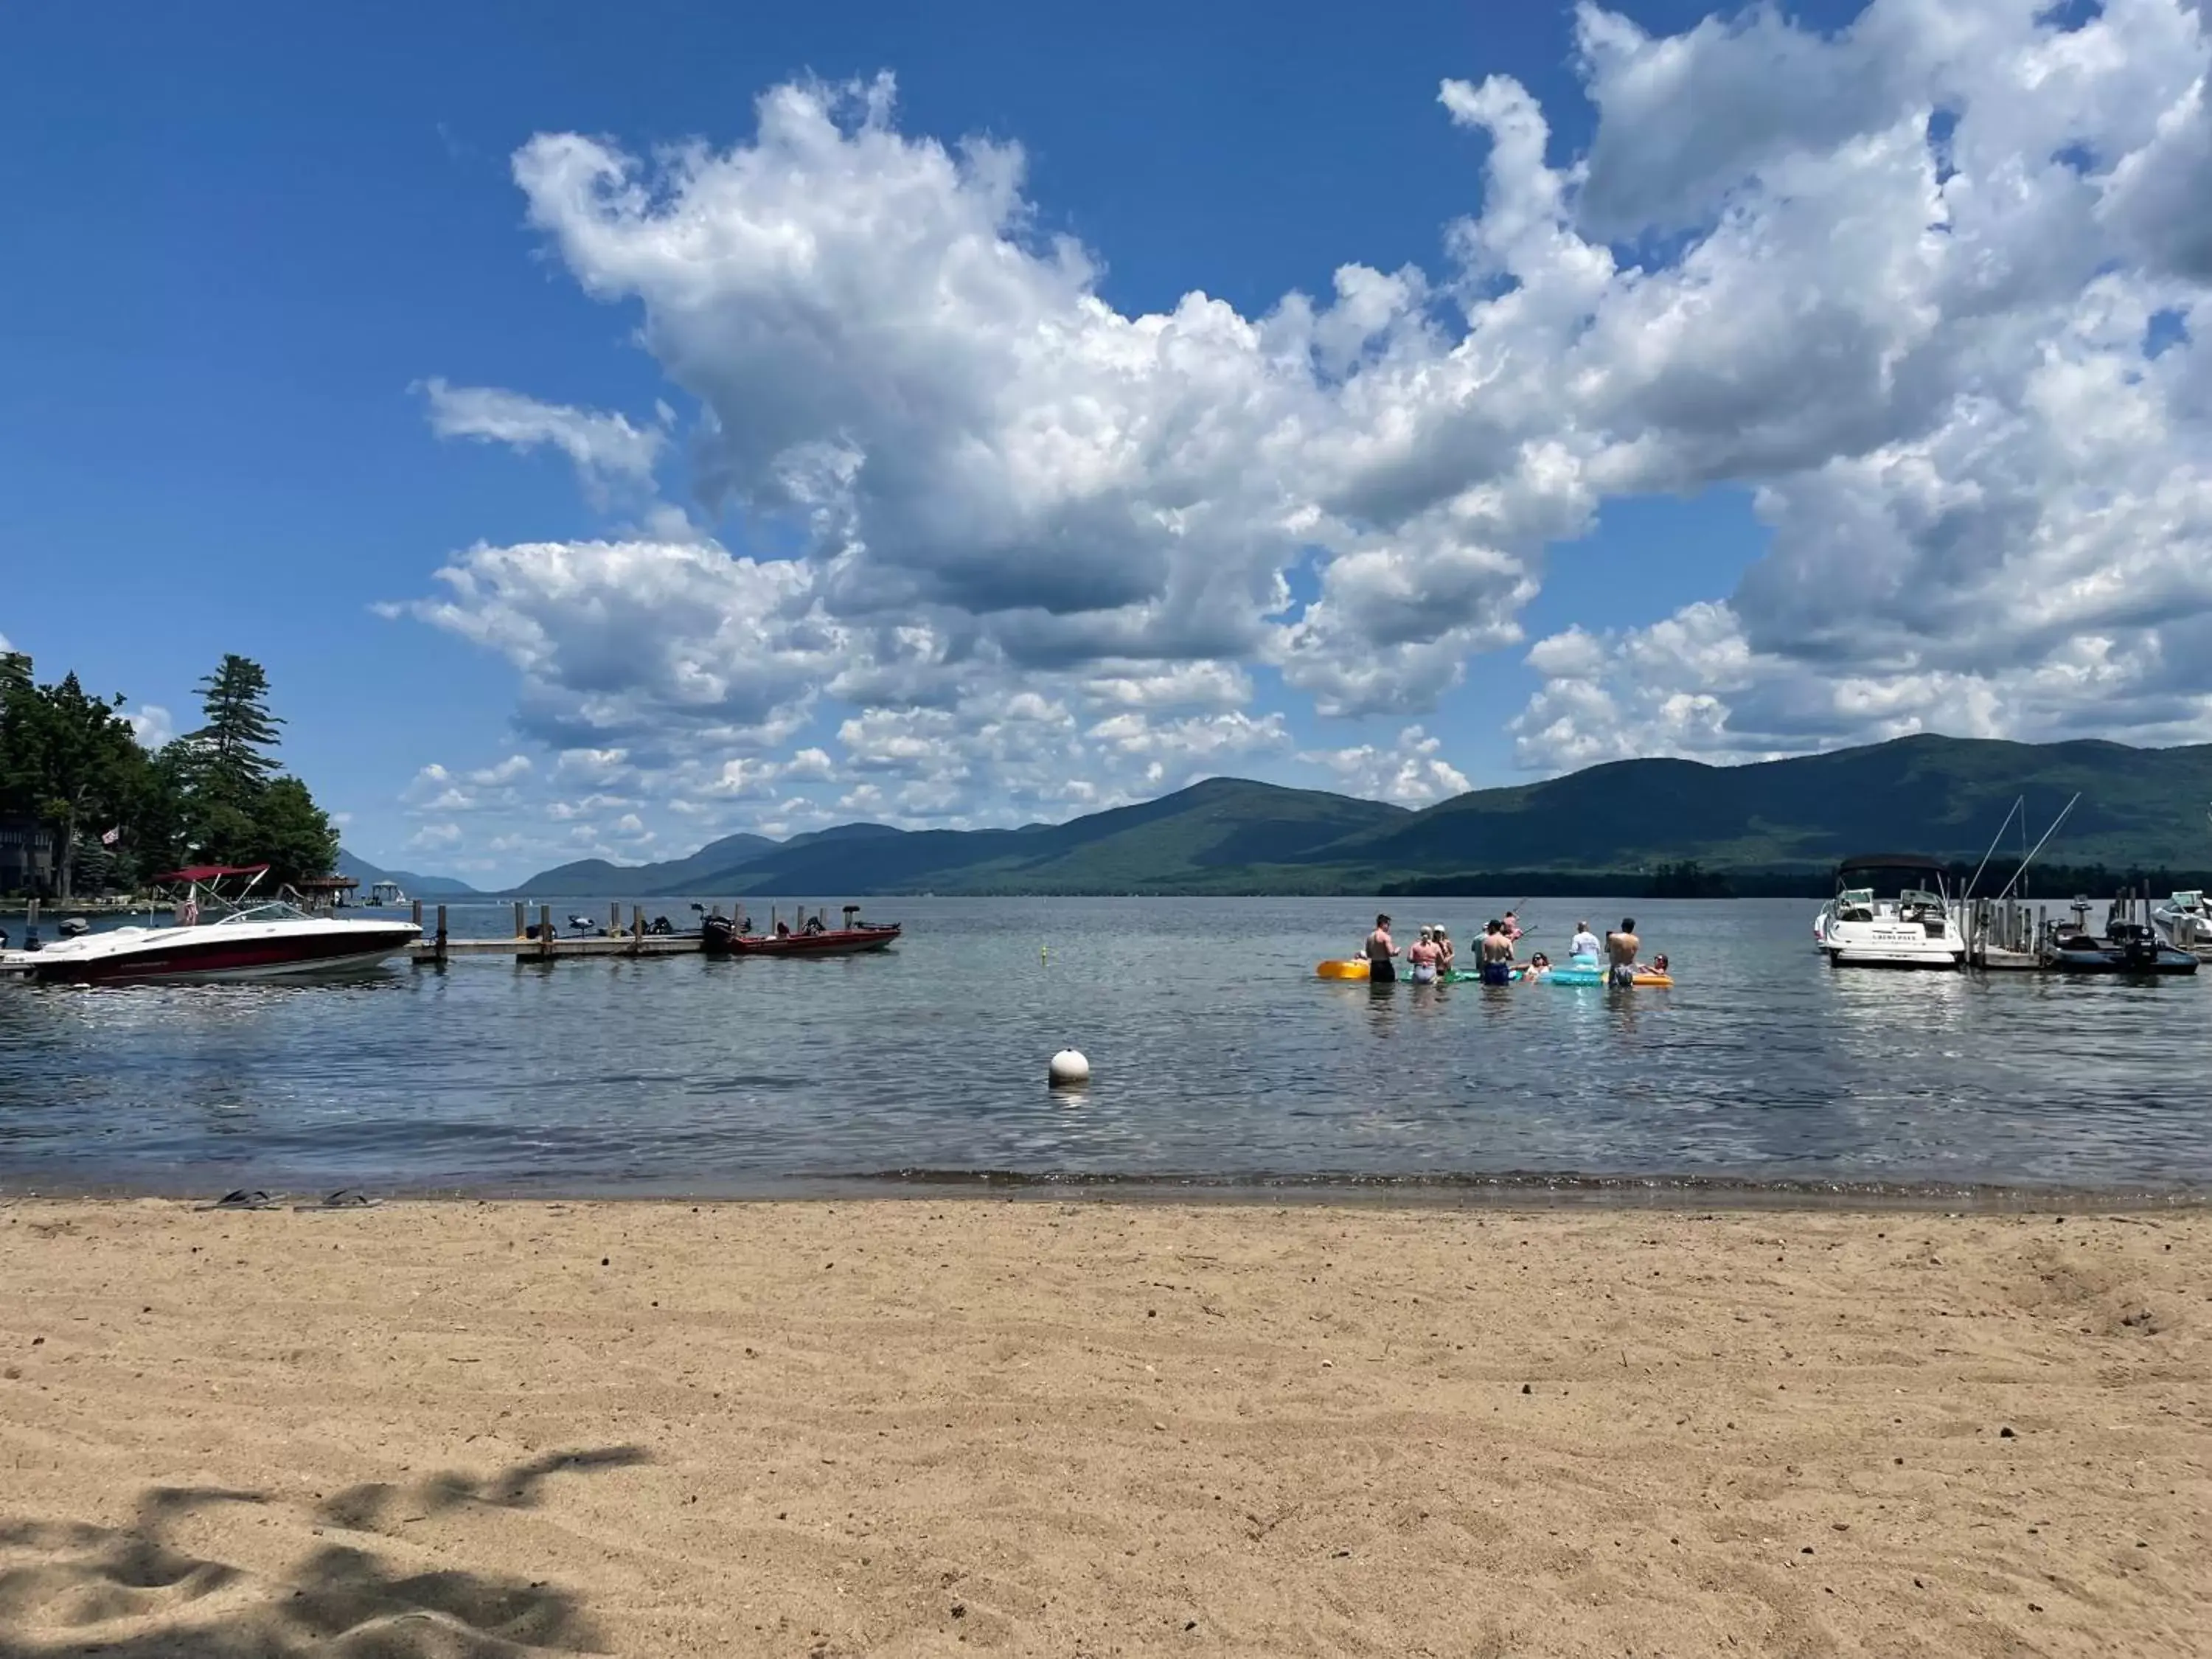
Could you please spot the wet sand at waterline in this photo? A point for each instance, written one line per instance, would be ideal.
(913, 1427)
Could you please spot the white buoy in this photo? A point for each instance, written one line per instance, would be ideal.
(1069, 1068)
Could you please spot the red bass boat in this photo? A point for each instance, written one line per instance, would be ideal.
(724, 937)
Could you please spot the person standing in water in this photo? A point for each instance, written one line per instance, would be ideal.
(1445, 952)
(1584, 942)
(1381, 969)
(1497, 956)
(1511, 925)
(1621, 949)
(1422, 957)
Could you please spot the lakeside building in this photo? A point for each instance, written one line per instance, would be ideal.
(27, 854)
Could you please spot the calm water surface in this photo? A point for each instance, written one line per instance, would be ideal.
(1216, 1056)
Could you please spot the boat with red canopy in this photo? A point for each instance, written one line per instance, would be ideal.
(220, 930)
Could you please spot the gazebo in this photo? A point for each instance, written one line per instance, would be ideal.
(326, 892)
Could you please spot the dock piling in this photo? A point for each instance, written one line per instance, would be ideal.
(521, 911)
(441, 933)
(545, 930)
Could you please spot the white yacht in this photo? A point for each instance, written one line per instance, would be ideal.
(2184, 923)
(1890, 910)
(219, 931)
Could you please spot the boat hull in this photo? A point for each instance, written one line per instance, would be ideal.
(209, 953)
(2164, 960)
(1882, 955)
(837, 942)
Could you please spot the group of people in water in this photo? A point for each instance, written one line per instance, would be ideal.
(1497, 954)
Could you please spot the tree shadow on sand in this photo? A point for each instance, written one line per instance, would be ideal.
(70, 1579)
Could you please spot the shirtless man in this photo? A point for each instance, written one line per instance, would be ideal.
(1422, 957)
(1380, 970)
(1497, 953)
(1620, 950)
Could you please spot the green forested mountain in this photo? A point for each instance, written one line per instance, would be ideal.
(2141, 809)
(1943, 796)
(1204, 839)
(590, 878)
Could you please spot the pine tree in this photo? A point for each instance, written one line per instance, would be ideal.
(232, 747)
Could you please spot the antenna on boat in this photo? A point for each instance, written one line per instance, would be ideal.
(2018, 806)
(2047, 834)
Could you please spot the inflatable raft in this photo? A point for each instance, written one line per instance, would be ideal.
(1582, 970)
(1356, 968)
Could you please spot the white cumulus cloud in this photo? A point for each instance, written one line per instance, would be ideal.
(1931, 286)
(602, 446)
(1412, 771)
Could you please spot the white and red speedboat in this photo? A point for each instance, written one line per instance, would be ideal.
(220, 930)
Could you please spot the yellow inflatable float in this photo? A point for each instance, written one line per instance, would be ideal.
(1354, 969)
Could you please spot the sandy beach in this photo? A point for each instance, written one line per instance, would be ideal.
(916, 1427)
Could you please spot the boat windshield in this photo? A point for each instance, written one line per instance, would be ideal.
(2193, 900)
(273, 910)
(1912, 885)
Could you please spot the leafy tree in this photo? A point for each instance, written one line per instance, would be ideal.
(292, 835)
(66, 757)
(73, 762)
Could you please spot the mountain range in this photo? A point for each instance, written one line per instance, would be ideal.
(2139, 808)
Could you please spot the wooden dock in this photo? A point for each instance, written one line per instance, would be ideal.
(2005, 935)
(2010, 935)
(545, 944)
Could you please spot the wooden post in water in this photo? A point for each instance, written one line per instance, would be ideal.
(545, 930)
(520, 911)
(441, 934)
(418, 916)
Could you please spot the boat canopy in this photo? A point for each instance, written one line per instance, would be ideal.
(211, 872)
(1893, 862)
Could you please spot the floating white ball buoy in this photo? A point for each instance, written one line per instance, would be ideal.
(1069, 1068)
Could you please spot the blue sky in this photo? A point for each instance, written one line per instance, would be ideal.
(246, 237)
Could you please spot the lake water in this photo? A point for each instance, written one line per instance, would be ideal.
(1217, 1058)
